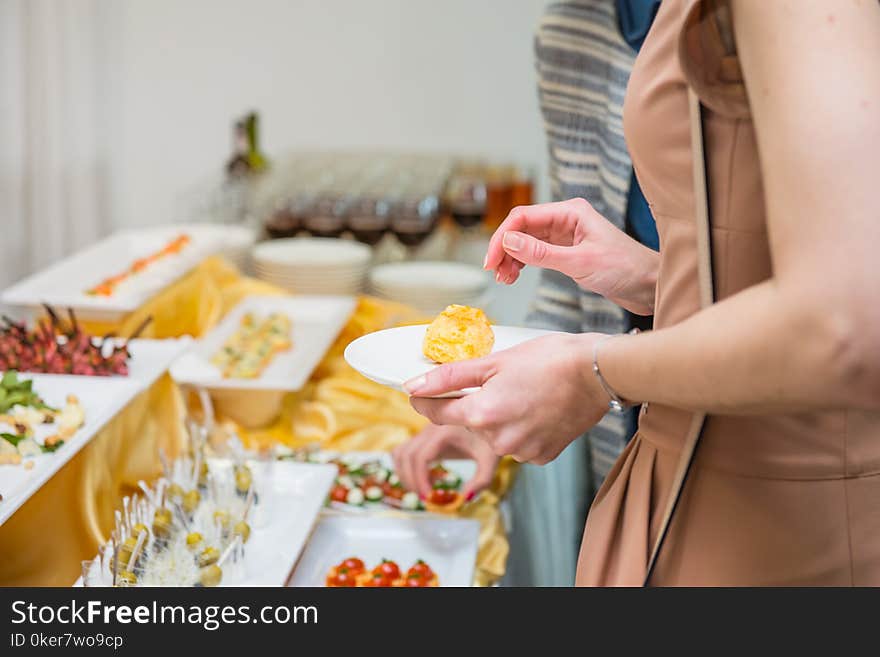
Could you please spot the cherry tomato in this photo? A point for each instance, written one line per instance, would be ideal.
(342, 578)
(378, 580)
(394, 492)
(437, 473)
(416, 580)
(442, 496)
(388, 568)
(339, 493)
(421, 568)
(354, 565)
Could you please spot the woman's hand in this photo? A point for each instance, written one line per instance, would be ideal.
(535, 399)
(413, 459)
(574, 239)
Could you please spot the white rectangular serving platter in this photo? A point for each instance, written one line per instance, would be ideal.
(281, 529)
(64, 284)
(315, 320)
(101, 397)
(281, 526)
(448, 545)
(150, 359)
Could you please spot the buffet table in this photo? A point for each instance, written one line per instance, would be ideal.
(62, 524)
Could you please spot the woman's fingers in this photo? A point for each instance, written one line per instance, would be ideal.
(402, 456)
(508, 270)
(455, 412)
(451, 377)
(424, 455)
(482, 477)
(540, 221)
(495, 253)
(538, 253)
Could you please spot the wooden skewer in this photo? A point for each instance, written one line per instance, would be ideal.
(144, 324)
(249, 501)
(147, 491)
(197, 464)
(132, 560)
(164, 460)
(115, 544)
(235, 541)
(181, 516)
(119, 524)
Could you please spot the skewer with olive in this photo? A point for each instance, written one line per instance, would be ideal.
(191, 500)
(194, 541)
(210, 555)
(163, 522)
(210, 576)
(244, 479)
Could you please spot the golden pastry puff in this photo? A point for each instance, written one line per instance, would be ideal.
(458, 333)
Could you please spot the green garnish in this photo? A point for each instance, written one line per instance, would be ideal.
(12, 438)
(15, 392)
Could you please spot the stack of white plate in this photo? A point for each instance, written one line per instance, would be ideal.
(238, 241)
(312, 265)
(430, 286)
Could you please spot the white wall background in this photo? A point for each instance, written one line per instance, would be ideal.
(435, 75)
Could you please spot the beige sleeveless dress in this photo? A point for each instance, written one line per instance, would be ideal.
(771, 500)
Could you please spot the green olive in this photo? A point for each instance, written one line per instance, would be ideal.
(210, 575)
(162, 523)
(221, 517)
(242, 529)
(194, 540)
(138, 528)
(174, 492)
(191, 500)
(208, 556)
(243, 479)
(125, 550)
(126, 578)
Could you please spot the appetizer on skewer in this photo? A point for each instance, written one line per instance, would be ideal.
(58, 347)
(194, 524)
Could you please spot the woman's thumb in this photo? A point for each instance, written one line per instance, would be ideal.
(532, 251)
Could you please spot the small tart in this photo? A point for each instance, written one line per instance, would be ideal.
(450, 507)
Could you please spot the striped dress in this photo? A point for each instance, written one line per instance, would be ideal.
(583, 65)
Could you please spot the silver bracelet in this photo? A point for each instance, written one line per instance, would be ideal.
(616, 404)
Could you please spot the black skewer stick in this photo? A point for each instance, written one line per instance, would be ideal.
(140, 329)
(73, 322)
(56, 321)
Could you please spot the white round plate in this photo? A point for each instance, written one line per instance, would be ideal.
(394, 356)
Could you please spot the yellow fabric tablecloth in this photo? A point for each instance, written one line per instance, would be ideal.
(44, 542)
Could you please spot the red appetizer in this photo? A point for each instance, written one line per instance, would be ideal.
(56, 346)
(360, 483)
(387, 574)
